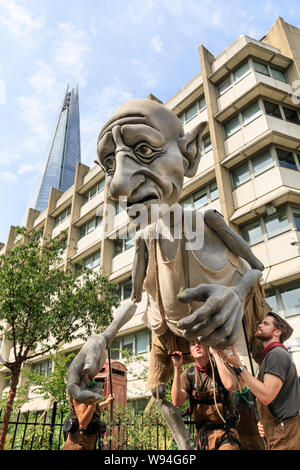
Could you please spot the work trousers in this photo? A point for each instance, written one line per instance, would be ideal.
(217, 439)
(280, 435)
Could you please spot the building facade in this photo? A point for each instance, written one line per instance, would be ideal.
(249, 171)
(64, 151)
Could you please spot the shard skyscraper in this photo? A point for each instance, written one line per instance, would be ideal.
(64, 151)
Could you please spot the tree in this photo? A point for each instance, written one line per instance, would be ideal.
(53, 385)
(43, 306)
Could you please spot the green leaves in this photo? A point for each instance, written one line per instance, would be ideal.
(44, 305)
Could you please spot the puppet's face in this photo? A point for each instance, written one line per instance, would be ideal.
(142, 150)
(141, 165)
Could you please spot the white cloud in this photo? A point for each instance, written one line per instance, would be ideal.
(20, 22)
(7, 155)
(25, 168)
(272, 10)
(44, 79)
(32, 111)
(156, 44)
(8, 177)
(101, 106)
(71, 50)
(138, 12)
(145, 73)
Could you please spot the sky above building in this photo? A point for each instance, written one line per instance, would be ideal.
(114, 50)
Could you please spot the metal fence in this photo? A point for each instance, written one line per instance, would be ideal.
(34, 430)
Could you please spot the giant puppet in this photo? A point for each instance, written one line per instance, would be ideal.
(202, 291)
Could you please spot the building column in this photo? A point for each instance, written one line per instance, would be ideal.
(217, 137)
(107, 245)
(81, 172)
(55, 194)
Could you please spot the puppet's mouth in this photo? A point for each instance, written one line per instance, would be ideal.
(151, 197)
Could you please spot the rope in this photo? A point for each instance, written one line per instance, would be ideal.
(214, 381)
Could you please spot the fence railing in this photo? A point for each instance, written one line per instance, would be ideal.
(43, 430)
(35, 430)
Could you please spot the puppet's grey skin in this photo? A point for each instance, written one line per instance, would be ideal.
(90, 359)
(146, 155)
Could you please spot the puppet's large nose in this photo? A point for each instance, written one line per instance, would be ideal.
(126, 178)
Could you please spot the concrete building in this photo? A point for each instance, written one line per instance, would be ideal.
(249, 171)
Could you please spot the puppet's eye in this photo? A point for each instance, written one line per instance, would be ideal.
(109, 163)
(144, 150)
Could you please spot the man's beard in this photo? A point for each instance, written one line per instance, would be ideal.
(262, 336)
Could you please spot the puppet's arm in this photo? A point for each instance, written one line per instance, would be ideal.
(231, 239)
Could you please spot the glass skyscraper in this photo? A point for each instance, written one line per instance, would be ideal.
(64, 152)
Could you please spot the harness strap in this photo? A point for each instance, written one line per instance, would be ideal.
(203, 427)
(202, 435)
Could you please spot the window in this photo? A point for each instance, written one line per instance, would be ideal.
(278, 74)
(201, 197)
(202, 104)
(192, 111)
(246, 116)
(262, 162)
(224, 86)
(269, 70)
(241, 71)
(282, 112)
(136, 343)
(272, 302)
(43, 368)
(127, 343)
(252, 168)
(290, 297)
(125, 288)
(286, 159)
(231, 126)
(285, 299)
(141, 343)
(296, 215)
(207, 143)
(92, 261)
(234, 77)
(121, 245)
(240, 174)
(252, 233)
(277, 223)
(261, 68)
(62, 216)
(90, 226)
(272, 109)
(214, 193)
(93, 191)
(251, 112)
(291, 115)
(118, 246)
(266, 227)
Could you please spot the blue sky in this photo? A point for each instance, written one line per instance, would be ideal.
(115, 50)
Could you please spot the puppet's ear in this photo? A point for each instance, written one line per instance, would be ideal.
(190, 147)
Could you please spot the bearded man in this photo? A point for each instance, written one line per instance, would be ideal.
(277, 385)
